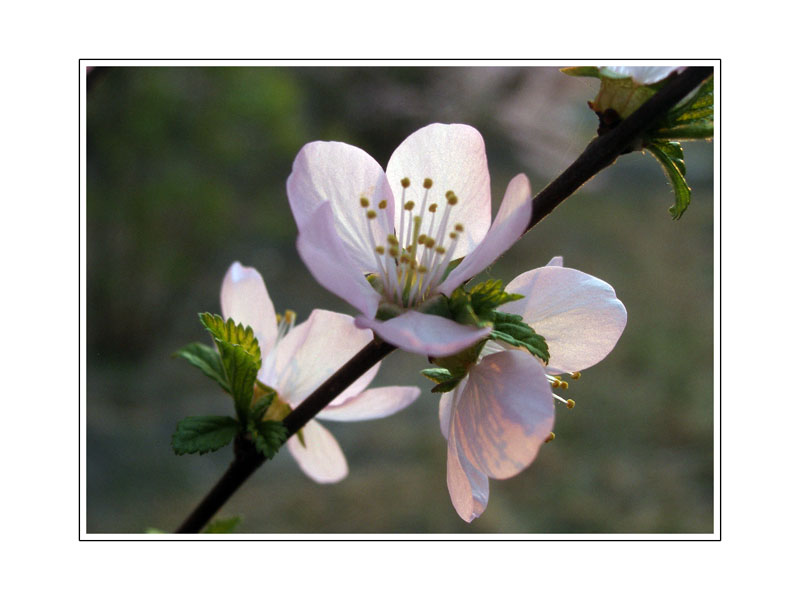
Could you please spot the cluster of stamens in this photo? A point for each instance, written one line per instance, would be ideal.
(285, 323)
(412, 262)
(558, 383)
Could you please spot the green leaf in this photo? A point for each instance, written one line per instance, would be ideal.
(268, 436)
(692, 119)
(223, 525)
(241, 370)
(698, 130)
(198, 435)
(582, 71)
(512, 330)
(207, 360)
(488, 295)
(670, 156)
(437, 374)
(265, 396)
(232, 333)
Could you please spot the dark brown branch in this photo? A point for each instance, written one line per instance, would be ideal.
(600, 153)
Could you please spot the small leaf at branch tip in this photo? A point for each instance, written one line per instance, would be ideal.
(198, 435)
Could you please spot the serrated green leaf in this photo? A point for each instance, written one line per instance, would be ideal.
(268, 436)
(488, 295)
(207, 360)
(241, 370)
(670, 157)
(511, 329)
(232, 333)
(198, 435)
(223, 525)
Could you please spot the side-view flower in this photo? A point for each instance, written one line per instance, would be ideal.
(499, 415)
(404, 227)
(298, 358)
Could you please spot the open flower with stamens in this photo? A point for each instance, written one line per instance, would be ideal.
(404, 227)
(500, 414)
(297, 359)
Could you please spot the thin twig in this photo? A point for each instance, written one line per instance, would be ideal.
(600, 153)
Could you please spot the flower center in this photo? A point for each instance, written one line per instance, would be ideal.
(415, 257)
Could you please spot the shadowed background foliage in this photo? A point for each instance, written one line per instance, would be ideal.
(186, 173)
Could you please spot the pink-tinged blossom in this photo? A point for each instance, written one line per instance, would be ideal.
(297, 359)
(645, 75)
(500, 414)
(405, 225)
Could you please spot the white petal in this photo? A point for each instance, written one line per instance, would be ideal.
(445, 408)
(322, 251)
(579, 315)
(556, 261)
(468, 486)
(511, 222)
(340, 174)
(645, 75)
(504, 414)
(313, 351)
(374, 403)
(322, 458)
(424, 334)
(454, 158)
(244, 299)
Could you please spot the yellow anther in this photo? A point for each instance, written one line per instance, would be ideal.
(409, 205)
(405, 182)
(440, 250)
(563, 385)
(394, 252)
(404, 258)
(392, 239)
(429, 242)
(449, 194)
(428, 183)
(555, 384)
(371, 214)
(380, 250)
(423, 269)
(453, 199)
(432, 208)
(421, 239)
(364, 202)
(382, 204)
(570, 403)
(290, 316)
(453, 235)
(575, 375)
(550, 438)
(459, 227)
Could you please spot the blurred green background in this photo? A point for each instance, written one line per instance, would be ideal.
(186, 173)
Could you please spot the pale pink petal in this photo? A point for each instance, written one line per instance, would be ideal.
(510, 223)
(445, 408)
(374, 403)
(313, 351)
(340, 175)
(244, 299)
(504, 413)
(556, 261)
(425, 334)
(645, 75)
(322, 458)
(468, 486)
(579, 316)
(322, 251)
(454, 158)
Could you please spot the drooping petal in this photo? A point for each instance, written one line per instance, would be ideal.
(645, 75)
(244, 299)
(504, 414)
(374, 403)
(454, 158)
(420, 333)
(511, 222)
(468, 486)
(323, 252)
(341, 174)
(322, 458)
(445, 408)
(579, 315)
(313, 351)
(556, 261)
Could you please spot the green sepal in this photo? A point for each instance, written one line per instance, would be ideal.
(437, 305)
(268, 436)
(263, 397)
(301, 438)
(198, 435)
(511, 329)
(444, 378)
(228, 525)
(232, 333)
(437, 374)
(446, 386)
(582, 71)
(488, 295)
(670, 157)
(450, 266)
(387, 310)
(699, 130)
(206, 359)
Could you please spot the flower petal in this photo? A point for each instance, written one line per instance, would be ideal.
(511, 222)
(468, 486)
(579, 315)
(244, 299)
(454, 158)
(374, 403)
(504, 413)
(445, 408)
(556, 261)
(322, 458)
(429, 335)
(340, 175)
(313, 351)
(324, 254)
(645, 75)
